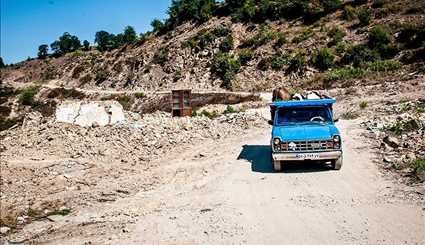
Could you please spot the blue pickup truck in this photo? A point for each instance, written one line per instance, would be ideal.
(305, 130)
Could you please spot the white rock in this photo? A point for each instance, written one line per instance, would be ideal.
(117, 114)
(4, 230)
(67, 112)
(95, 113)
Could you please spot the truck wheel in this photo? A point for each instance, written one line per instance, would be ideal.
(277, 165)
(337, 164)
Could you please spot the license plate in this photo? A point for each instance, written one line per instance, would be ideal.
(309, 156)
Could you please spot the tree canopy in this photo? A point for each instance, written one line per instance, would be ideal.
(66, 43)
(42, 51)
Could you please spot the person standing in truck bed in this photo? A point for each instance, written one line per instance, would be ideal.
(279, 94)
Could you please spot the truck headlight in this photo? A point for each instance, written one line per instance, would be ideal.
(276, 141)
(337, 141)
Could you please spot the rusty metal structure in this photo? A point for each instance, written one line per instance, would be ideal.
(181, 102)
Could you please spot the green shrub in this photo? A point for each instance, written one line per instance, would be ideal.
(229, 110)
(363, 105)
(343, 74)
(221, 31)
(304, 35)
(349, 13)
(210, 115)
(227, 44)
(139, 95)
(296, 63)
(418, 166)
(281, 39)
(264, 36)
(364, 15)
(277, 61)
(413, 36)
(380, 40)
(324, 59)
(245, 55)
(200, 41)
(401, 127)
(125, 100)
(359, 54)
(382, 65)
(378, 36)
(27, 95)
(336, 35)
(225, 67)
(340, 47)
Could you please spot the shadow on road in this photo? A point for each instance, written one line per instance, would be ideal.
(260, 158)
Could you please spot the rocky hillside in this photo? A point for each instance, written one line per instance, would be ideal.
(353, 41)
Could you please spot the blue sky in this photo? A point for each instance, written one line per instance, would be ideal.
(25, 24)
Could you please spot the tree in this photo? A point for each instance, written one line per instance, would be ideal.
(66, 43)
(157, 25)
(105, 40)
(42, 51)
(129, 34)
(2, 65)
(117, 40)
(187, 10)
(86, 45)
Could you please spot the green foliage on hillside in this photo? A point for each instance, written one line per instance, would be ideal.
(86, 45)
(106, 41)
(364, 15)
(43, 51)
(336, 34)
(245, 55)
(324, 59)
(65, 44)
(225, 67)
(264, 35)
(27, 96)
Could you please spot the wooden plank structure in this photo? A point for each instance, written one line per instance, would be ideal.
(181, 102)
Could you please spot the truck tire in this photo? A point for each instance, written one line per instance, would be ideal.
(337, 164)
(277, 165)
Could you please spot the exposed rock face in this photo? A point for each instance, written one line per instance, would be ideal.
(99, 113)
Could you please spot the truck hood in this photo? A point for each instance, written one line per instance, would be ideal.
(305, 132)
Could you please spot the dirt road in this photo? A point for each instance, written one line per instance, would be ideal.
(225, 192)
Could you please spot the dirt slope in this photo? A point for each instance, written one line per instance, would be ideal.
(225, 192)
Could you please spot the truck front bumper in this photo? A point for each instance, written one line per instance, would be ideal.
(301, 156)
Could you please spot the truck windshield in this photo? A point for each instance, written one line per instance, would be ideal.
(291, 115)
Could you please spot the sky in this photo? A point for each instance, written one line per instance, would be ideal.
(26, 24)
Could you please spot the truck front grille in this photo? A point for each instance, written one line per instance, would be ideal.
(300, 146)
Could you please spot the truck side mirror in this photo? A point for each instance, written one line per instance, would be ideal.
(270, 122)
(336, 119)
